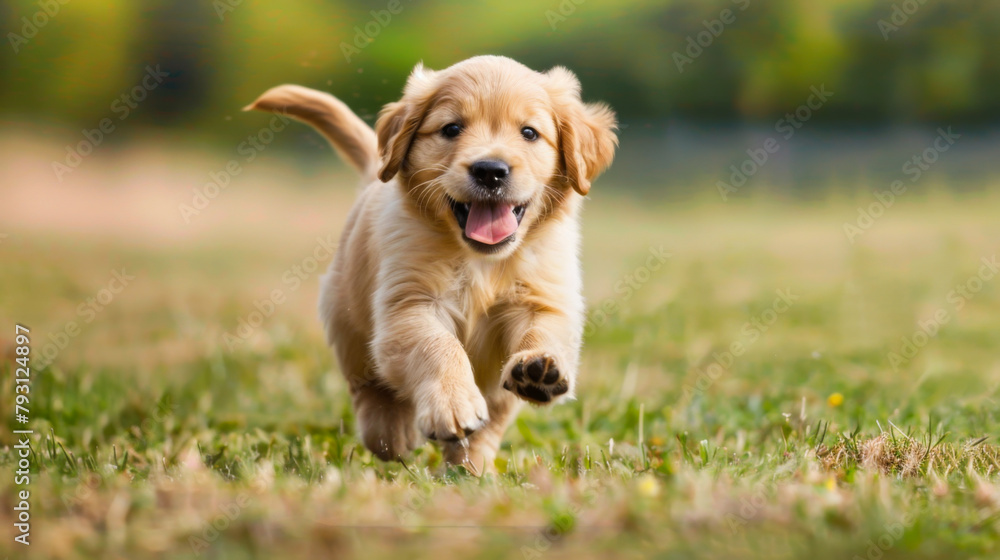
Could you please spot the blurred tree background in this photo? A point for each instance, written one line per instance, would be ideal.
(890, 63)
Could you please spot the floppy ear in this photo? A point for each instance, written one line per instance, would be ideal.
(587, 138)
(399, 121)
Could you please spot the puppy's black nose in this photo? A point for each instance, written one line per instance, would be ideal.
(490, 173)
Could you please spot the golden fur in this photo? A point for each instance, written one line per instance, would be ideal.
(436, 338)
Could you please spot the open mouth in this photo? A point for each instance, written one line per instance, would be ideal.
(486, 225)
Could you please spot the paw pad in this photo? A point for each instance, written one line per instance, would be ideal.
(536, 380)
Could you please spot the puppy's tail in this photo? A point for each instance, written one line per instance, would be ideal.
(353, 139)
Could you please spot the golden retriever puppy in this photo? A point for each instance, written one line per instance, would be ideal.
(455, 293)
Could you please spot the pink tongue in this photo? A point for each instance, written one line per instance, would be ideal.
(490, 224)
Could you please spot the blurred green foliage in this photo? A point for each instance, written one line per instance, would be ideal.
(937, 63)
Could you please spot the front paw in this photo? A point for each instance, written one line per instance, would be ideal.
(535, 377)
(451, 411)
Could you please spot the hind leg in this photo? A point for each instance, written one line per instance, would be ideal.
(386, 422)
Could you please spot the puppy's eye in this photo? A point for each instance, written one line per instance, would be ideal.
(529, 134)
(451, 130)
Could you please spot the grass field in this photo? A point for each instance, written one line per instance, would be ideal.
(156, 439)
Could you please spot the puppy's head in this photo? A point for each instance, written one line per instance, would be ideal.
(489, 149)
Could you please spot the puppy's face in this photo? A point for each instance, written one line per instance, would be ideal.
(488, 148)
